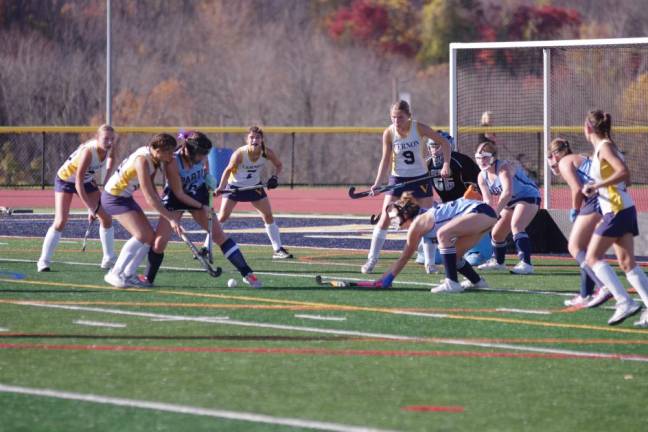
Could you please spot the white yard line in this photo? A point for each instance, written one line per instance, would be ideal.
(525, 311)
(213, 320)
(320, 317)
(99, 324)
(187, 409)
(3, 329)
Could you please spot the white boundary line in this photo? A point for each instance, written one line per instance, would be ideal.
(213, 320)
(186, 409)
(99, 324)
(320, 317)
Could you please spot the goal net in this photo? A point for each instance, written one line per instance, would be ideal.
(537, 91)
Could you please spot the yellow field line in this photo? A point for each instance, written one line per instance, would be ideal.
(348, 307)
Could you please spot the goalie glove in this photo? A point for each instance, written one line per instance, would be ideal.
(273, 182)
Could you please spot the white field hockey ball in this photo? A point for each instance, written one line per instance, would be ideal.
(231, 283)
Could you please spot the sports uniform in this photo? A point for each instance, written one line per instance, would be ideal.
(524, 189)
(117, 197)
(65, 180)
(617, 206)
(408, 163)
(192, 177)
(247, 173)
(590, 204)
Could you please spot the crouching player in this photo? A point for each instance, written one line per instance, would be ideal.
(457, 225)
(186, 188)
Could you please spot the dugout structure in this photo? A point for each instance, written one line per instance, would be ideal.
(539, 90)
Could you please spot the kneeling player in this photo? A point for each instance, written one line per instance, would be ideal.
(457, 225)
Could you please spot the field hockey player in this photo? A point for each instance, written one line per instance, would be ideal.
(186, 189)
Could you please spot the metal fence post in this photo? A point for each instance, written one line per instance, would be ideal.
(292, 161)
(43, 162)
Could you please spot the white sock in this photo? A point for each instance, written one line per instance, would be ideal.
(605, 273)
(107, 236)
(580, 259)
(206, 242)
(128, 252)
(131, 267)
(273, 234)
(377, 242)
(49, 244)
(429, 250)
(639, 281)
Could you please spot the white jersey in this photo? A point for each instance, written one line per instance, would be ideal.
(613, 198)
(408, 159)
(67, 171)
(124, 180)
(248, 172)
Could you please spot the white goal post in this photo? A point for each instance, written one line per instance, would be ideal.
(547, 48)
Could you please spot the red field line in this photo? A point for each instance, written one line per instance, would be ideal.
(318, 351)
(433, 408)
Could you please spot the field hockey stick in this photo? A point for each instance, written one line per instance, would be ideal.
(87, 233)
(204, 262)
(355, 195)
(244, 188)
(210, 257)
(339, 283)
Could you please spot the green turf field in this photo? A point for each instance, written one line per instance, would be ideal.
(192, 354)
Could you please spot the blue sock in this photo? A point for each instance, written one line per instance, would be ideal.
(586, 284)
(233, 254)
(449, 257)
(523, 246)
(468, 271)
(500, 251)
(154, 263)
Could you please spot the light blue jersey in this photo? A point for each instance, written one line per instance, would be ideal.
(583, 171)
(192, 176)
(523, 186)
(445, 212)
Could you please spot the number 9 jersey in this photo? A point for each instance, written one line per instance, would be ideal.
(408, 159)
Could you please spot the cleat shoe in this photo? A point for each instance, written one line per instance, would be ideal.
(624, 310)
(420, 259)
(281, 253)
(492, 264)
(137, 282)
(448, 287)
(643, 321)
(600, 296)
(108, 262)
(368, 266)
(252, 280)
(431, 269)
(43, 266)
(481, 283)
(578, 301)
(115, 280)
(522, 268)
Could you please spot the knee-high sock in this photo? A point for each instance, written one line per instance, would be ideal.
(500, 251)
(639, 281)
(466, 269)
(429, 250)
(606, 274)
(588, 278)
(273, 233)
(232, 252)
(131, 267)
(126, 255)
(107, 236)
(154, 263)
(50, 242)
(377, 242)
(449, 256)
(523, 246)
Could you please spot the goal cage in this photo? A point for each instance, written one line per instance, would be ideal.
(537, 91)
